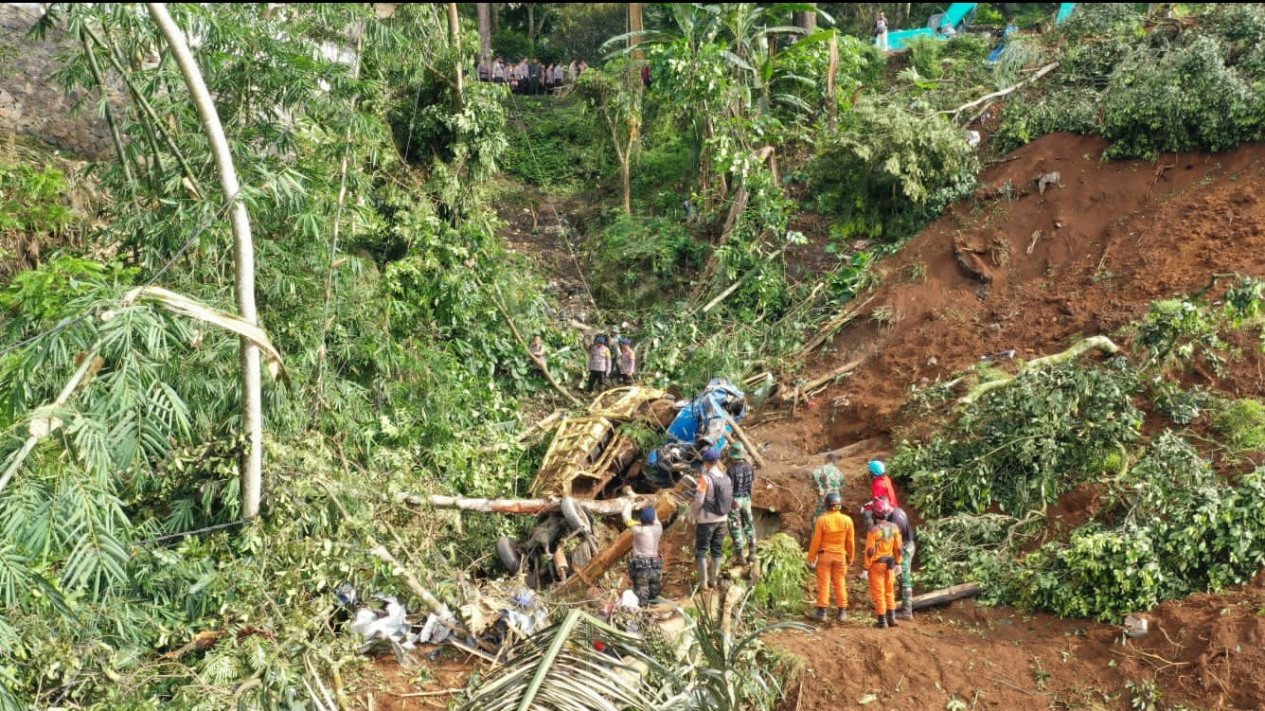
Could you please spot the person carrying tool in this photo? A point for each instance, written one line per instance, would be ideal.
(713, 501)
(827, 478)
(882, 557)
(901, 520)
(599, 364)
(645, 567)
(741, 523)
(830, 554)
(880, 487)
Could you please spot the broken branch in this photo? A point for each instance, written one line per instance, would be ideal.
(605, 507)
(998, 94)
(1100, 343)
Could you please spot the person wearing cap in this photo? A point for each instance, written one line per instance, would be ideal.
(880, 487)
(827, 478)
(713, 500)
(599, 364)
(741, 523)
(645, 567)
(830, 554)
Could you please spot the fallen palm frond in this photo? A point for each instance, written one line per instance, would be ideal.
(562, 668)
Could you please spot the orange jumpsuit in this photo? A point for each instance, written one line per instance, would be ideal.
(883, 541)
(832, 549)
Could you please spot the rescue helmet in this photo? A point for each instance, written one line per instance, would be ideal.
(877, 468)
(833, 499)
(881, 507)
(736, 451)
(601, 340)
(625, 341)
(712, 454)
(648, 515)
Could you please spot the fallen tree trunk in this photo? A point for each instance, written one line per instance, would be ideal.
(1100, 343)
(606, 507)
(949, 594)
(828, 330)
(742, 437)
(615, 552)
(998, 94)
(793, 394)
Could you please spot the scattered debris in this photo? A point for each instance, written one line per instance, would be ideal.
(1135, 626)
(998, 356)
(1048, 179)
(1036, 235)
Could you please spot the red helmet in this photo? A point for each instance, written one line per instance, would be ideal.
(881, 507)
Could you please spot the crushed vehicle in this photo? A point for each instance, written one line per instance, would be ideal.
(591, 458)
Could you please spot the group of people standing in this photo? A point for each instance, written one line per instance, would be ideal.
(530, 76)
(889, 546)
(722, 507)
(603, 365)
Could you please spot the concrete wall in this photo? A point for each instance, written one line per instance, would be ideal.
(31, 102)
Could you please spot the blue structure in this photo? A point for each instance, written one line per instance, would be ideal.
(702, 423)
(952, 21)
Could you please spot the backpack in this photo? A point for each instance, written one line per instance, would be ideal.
(719, 500)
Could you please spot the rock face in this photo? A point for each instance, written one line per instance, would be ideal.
(32, 102)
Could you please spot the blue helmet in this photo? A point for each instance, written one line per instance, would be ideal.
(601, 340)
(648, 515)
(712, 454)
(877, 468)
(625, 341)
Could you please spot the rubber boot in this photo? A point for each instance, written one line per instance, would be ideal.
(906, 611)
(715, 572)
(880, 621)
(740, 560)
(702, 574)
(752, 556)
(818, 616)
(891, 619)
(843, 614)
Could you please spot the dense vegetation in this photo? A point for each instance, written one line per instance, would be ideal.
(377, 186)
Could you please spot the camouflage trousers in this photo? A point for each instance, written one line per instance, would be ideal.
(742, 524)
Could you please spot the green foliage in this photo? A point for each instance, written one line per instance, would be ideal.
(965, 548)
(32, 200)
(887, 170)
(1166, 91)
(1182, 406)
(1022, 446)
(1241, 423)
(511, 45)
(783, 574)
(1178, 330)
(644, 257)
(554, 143)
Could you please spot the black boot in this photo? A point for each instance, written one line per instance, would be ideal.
(880, 621)
(818, 616)
(843, 614)
(906, 611)
(891, 618)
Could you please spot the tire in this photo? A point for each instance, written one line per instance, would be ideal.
(576, 517)
(507, 552)
(581, 556)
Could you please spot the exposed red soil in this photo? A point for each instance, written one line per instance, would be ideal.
(1113, 237)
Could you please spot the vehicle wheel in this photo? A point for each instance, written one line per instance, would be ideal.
(581, 556)
(576, 517)
(507, 552)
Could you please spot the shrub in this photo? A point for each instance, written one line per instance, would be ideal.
(1242, 424)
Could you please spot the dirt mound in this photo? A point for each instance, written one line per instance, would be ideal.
(1017, 267)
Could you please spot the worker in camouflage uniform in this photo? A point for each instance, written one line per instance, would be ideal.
(741, 522)
(828, 479)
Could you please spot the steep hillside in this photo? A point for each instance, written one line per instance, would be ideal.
(1015, 268)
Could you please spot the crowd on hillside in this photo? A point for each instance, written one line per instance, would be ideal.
(530, 76)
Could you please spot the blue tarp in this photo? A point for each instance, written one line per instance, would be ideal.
(702, 423)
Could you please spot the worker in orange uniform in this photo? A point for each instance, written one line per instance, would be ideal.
(882, 560)
(830, 554)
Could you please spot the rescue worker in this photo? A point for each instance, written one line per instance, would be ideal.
(882, 557)
(901, 520)
(741, 523)
(830, 554)
(880, 487)
(645, 567)
(627, 361)
(712, 503)
(828, 479)
(599, 364)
